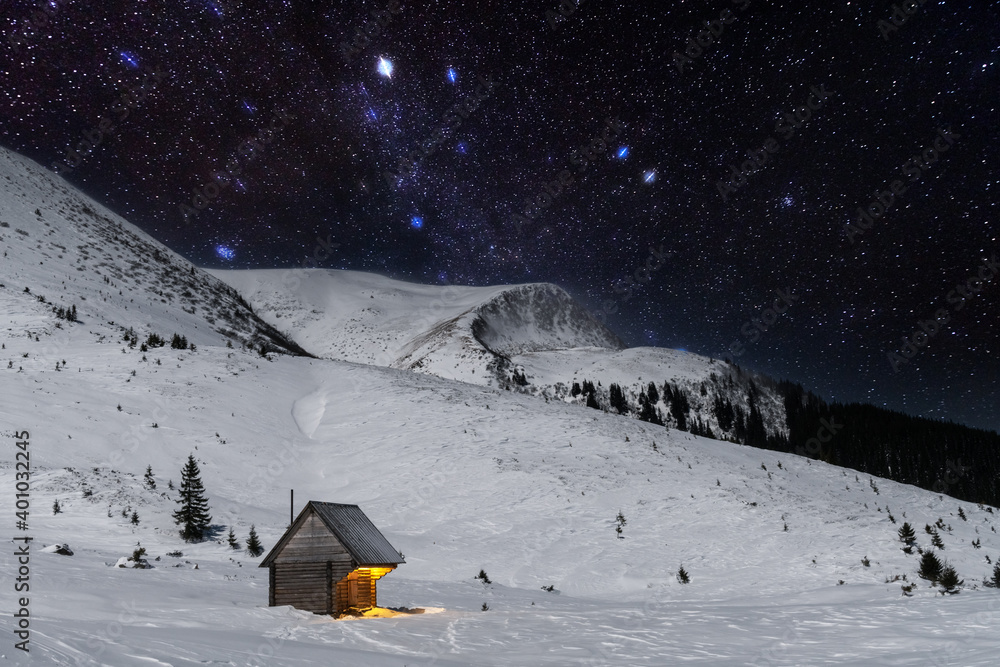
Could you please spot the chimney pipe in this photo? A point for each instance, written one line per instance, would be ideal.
(291, 508)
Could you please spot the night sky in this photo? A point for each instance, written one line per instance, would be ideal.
(608, 115)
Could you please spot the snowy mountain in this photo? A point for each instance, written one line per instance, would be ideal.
(66, 249)
(453, 332)
(531, 338)
(791, 561)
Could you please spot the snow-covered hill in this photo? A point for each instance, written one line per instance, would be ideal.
(66, 249)
(791, 561)
(452, 332)
(531, 338)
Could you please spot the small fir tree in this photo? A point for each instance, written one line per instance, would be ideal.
(193, 516)
(56, 509)
(930, 567)
(620, 519)
(906, 534)
(682, 576)
(254, 547)
(995, 579)
(148, 478)
(135, 518)
(949, 581)
(234, 544)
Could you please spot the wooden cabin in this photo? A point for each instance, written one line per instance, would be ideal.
(328, 561)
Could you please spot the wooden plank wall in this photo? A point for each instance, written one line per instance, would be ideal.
(366, 588)
(302, 585)
(313, 542)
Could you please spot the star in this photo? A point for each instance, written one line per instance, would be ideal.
(129, 59)
(385, 67)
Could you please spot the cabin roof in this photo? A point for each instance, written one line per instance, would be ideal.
(367, 546)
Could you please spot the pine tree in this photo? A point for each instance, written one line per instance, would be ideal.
(906, 534)
(148, 478)
(193, 514)
(56, 509)
(232, 541)
(995, 579)
(254, 547)
(621, 524)
(135, 518)
(682, 576)
(930, 567)
(949, 580)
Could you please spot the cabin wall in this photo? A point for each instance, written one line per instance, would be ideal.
(313, 542)
(307, 586)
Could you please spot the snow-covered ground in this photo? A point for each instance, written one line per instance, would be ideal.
(459, 477)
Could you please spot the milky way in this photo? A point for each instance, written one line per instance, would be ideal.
(730, 174)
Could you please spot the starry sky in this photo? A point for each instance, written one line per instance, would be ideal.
(602, 145)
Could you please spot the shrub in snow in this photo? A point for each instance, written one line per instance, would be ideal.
(930, 567)
(906, 534)
(620, 519)
(56, 509)
(254, 547)
(994, 581)
(682, 576)
(482, 576)
(949, 581)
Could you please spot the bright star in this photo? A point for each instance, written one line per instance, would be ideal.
(622, 152)
(129, 59)
(452, 75)
(649, 176)
(225, 252)
(385, 68)
(417, 222)
(462, 148)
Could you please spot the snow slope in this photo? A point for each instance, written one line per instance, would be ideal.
(481, 335)
(66, 248)
(459, 477)
(452, 332)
